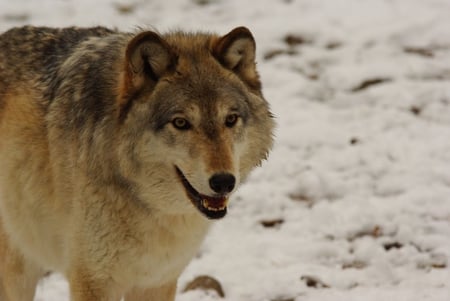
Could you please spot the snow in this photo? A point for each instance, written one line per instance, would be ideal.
(359, 178)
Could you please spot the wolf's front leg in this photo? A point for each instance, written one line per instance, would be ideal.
(83, 287)
(162, 293)
(18, 275)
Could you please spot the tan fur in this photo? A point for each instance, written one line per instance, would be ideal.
(93, 168)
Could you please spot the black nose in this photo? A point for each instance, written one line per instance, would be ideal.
(222, 182)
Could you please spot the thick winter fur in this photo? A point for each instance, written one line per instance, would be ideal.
(116, 150)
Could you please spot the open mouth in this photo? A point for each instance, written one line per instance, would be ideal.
(213, 207)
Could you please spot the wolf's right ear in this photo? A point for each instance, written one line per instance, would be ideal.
(236, 51)
(147, 58)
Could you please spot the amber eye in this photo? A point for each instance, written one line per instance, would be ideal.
(231, 120)
(181, 123)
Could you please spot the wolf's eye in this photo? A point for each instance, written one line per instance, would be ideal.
(231, 120)
(181, 123)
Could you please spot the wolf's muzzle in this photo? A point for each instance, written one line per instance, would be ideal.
(213, 207)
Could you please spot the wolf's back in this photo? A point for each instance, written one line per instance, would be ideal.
(31, 57)
(39, 49)
(33, 54)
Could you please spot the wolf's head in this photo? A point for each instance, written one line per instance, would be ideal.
(192, 106)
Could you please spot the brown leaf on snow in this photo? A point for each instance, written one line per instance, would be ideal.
(277, 52)
(312, 281)
(125, 9)
(375, 232)
(356, 264)
(294, 40)
(422, 51)
(205, 283)
(415, 110)
(370, 82)
(392, 245)
(270, 223)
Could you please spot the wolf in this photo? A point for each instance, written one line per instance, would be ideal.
(117, 150)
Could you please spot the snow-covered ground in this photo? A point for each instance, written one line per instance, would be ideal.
(354, 202)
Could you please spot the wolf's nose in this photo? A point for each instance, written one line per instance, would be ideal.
(222, 183)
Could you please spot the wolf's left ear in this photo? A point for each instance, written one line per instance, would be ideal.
(236, 51)
(147, 58)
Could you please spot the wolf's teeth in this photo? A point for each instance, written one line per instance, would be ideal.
(205, 204)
